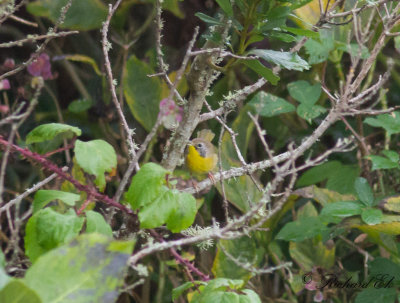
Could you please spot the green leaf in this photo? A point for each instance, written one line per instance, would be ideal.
(322, 195)
(146, 185)
(262, 70)
(4, 278)
(287, 60)
(184, 212)
(268, 105)
(318, 51)
(311, 253)
(245, 249)
(217, 297)
(318, 173)
(282, 36)
(96, 157)
(81, 105)
(373, 295)
(249, 296)
(342, 180)
(275, 18)
(302, 229)
(77, 16)
(95, 223)
(390, 122)
(208, 19)
(158, 204)
(310, 112)
(390, 161)
(88, 269)
(142, 93)
(224, 284)
(305, 93)
(384, 266)
(48, 131)
(397, 43)
(178, 291)
(364, 191)
(226, 7)
(372, 216)
(17, 291)
(2, 259)
(301, 32)
(342, 209)
(354, 50)
(44, 197)
(48, 229)
(240, 191)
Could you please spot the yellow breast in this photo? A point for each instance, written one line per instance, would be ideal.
(197, 164)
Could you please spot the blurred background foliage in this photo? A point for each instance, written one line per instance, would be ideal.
(308, 231)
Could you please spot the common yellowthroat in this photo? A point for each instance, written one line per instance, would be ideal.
(201, 157)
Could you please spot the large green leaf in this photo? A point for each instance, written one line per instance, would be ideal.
(184, 212)
(43, 197)
(302, 229)
(364, 191)
(244, 249)
(384, 266)
(48, 229)
(342, 209)
(391, 160)
(268, 105)
(157, 203)
(291, 61)
(340, 178)
(142, 93)
(88, 269)
(146, 185)
(82, 15)
(16, 291)
(262, 70)
(319, 49)
(307, 95)
(372, 216)
(373, 295)
(96, 157)
(304, 92)
(390, 122)
(48, 131)
(95, 223)
(226, 7)
(222, 290)
(310, 253)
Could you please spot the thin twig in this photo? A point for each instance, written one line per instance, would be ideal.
(106, 45)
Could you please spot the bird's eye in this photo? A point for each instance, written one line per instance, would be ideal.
(199, 145)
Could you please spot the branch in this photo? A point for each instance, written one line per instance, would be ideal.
(106, 46)
(50, 166)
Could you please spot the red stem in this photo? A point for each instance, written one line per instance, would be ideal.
(181, 260)
(55, 169)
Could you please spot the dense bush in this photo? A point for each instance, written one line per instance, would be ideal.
(99, 101)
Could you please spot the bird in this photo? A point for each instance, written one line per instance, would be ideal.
(201, 157)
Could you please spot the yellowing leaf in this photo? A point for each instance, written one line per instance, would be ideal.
(310, 13)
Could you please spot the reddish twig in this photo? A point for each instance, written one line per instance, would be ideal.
(48, 165)
(180, 259)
